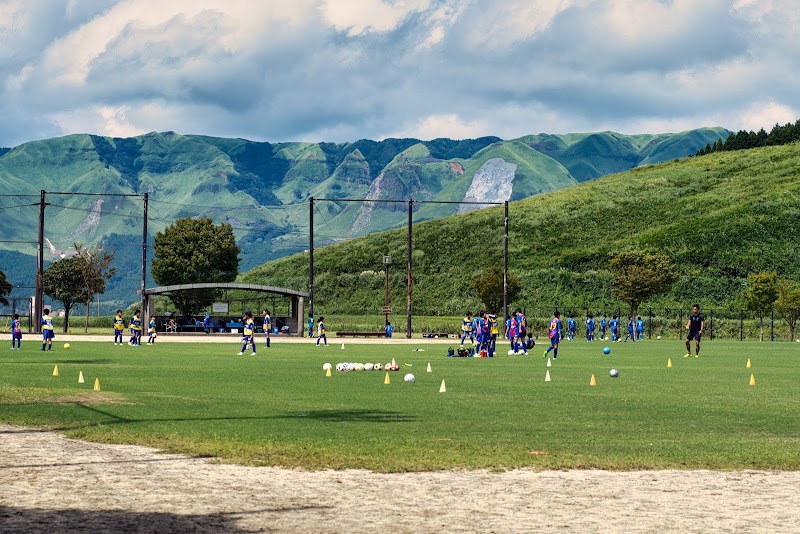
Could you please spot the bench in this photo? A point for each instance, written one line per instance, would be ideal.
(361, 334)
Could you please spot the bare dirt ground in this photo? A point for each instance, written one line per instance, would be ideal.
(49, 483)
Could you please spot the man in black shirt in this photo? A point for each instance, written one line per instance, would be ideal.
(695, 325)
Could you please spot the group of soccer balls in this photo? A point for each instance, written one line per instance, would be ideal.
(346, 367)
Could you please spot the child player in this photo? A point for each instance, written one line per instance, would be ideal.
(554, 331)
(267, 325)
(613, 325)
(47, 330)
(321, 332)
(522, 331)
(466, 328)
(119, 327)
(249, 333)
(571, 325)
(151, 331)
(135, 327)
(603, 327)
(639, 328)
(16, 333)
(590, 328)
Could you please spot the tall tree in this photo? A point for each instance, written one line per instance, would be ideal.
(760, 295)
(195, 251)
(63, 281)
(639, 275)
(95, 268)
(5, 289)
(488, 286)
(788, 305)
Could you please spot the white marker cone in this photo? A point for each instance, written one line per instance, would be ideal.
(442, 388)
(429, 367)
(80, 377)
(342, 346)
(547, 376)
(549, 362)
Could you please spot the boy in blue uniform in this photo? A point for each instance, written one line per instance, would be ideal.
(466, 328)
(554, 331)
(613, 325)
(639, 328)
(310, 325)
(267, 325)
(119, 327)
(248, 337)
(47, 330)
(522, 331)
(590, 328)
(389, 329)
(151, 331)
(16, 333)
(603, 327)
(135, 327)
(630, 330)
(321, 332)
(571, 326)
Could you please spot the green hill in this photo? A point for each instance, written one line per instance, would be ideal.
(719, 217)
(262, 189)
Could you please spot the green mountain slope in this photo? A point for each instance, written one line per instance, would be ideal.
(719, 217)
(262, 189)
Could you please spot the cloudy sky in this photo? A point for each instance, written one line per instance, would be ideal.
(342, 70)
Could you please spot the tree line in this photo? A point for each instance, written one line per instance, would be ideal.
(741, 140)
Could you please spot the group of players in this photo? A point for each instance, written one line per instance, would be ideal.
(135, 329)
(483, 328)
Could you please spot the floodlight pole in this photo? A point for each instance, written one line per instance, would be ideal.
(311, 257)
(409, 277)
(145, 310)
(505, 262)
(37, 313)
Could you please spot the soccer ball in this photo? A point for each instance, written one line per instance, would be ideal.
(368, 367)
(606, 350)
(326, 367)
(409, 378)
(511, 353)
(359, 366)
(613, 373)
(66, 345)
(377, 367)
(658, 337)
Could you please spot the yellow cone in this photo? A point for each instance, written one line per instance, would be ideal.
(387, 380)
(55, 370)
(97, 384)
(749, 365)
(669, 363)
(328, 372)
(442, 389)
(752, 380)
(429, 367)
(549, 362)
(547, 376)
(80, 377)
(593, 382)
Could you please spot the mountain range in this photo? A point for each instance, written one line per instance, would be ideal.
(263, 189)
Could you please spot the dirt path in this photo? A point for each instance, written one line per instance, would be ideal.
(52, 484)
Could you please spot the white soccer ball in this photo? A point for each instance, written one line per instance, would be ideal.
(388, 367)
(409, 378)
(368, 367)
(326, 366)
(613, 373)
(658, 337)
(359, 367)
(377, 367)
(339, 367)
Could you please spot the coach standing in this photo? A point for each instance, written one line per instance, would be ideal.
(695, 326)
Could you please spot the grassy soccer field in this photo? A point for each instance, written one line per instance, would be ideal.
(279, 408)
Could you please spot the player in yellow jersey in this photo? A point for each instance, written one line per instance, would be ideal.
(47, 330)
(249, 330)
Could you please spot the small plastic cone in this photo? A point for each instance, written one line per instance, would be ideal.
(547, 376)
(669, 363)
(97, 384)
(387, 380)
(429, 367)
(442, 388)
(394, 364)
(752, 379)
(328, 373)
(55, 370)
(80, 377)
(749, 365)
(593, 382)
(549, 362)
(342, 346)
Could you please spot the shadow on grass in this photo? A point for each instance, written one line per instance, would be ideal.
(60, 361)
(13, 520)
(330, 416)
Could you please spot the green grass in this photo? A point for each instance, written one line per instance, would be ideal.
(278, 408)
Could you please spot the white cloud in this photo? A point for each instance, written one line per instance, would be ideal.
(358, 16)
(105, 120)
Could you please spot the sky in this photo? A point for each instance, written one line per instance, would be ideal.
(344, 70)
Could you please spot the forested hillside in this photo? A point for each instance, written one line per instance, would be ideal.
(719, 217)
